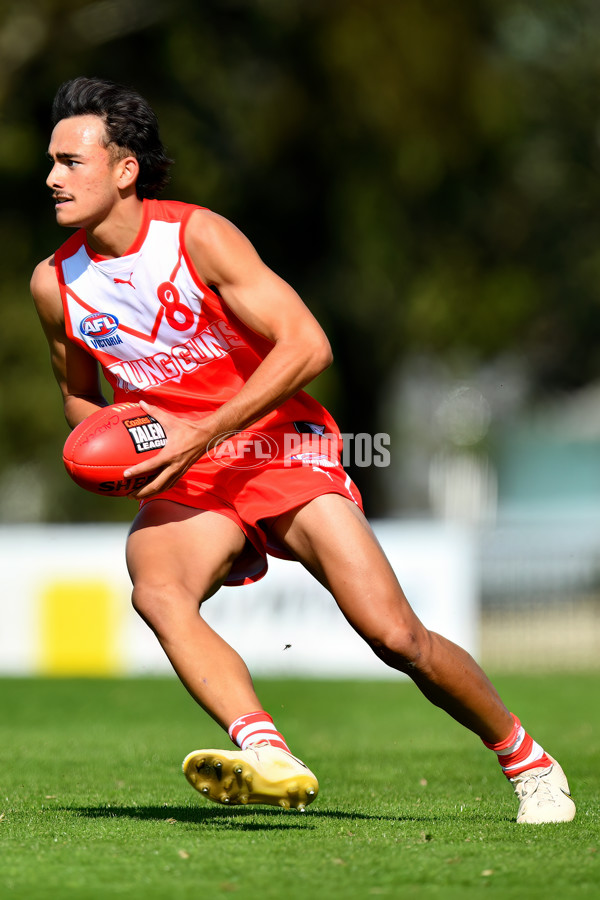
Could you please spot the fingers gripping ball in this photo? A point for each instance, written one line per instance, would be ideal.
(100, 448)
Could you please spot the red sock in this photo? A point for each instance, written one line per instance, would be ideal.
(519, 752)
(256, 727)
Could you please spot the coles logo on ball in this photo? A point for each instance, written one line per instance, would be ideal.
(242, 449)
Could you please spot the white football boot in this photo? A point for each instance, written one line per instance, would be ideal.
(260, 774)
(544, 796)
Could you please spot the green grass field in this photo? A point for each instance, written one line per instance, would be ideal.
(93, 803)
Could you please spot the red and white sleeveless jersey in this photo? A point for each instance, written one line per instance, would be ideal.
(159, 333)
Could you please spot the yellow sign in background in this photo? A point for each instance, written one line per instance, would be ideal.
(79, 624)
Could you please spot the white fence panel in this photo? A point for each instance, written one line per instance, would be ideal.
(65, 608)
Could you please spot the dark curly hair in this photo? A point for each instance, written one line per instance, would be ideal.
(130, 123)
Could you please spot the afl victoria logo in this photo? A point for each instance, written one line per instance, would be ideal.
(98, 325)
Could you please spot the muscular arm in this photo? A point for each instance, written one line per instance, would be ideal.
(74, 369)
(223, 257)
(268, 305)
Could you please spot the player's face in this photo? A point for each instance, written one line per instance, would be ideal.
(84, 175)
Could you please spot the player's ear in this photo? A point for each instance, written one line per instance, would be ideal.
(127, 172)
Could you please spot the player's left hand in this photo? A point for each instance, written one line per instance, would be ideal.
(187, 440)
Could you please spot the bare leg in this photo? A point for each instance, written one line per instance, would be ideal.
(332, 538)
(177, 557)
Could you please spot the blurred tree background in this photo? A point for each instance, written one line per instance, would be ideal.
(425, 174)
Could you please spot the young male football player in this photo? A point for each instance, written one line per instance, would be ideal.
(214, 343)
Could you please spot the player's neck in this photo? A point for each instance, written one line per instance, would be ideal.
(115, 234)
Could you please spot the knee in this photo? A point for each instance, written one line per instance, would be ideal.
(402, 646)
(158, 604)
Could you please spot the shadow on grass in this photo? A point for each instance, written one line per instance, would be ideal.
(249, 818)
(240, 818)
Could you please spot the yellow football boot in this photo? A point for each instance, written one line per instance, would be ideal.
(261, 774)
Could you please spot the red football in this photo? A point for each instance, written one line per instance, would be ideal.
(100, 448)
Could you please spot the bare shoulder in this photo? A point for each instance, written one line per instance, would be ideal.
(46, 292)
(207, 227)
(217, 246)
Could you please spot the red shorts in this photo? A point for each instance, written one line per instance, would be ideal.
(254, 476)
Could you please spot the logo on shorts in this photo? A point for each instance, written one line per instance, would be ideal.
(242, 449)
(146, 433)
(315, 459)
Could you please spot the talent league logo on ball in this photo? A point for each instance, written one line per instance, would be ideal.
(99, 329)
(146, 433)
(242, 449)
